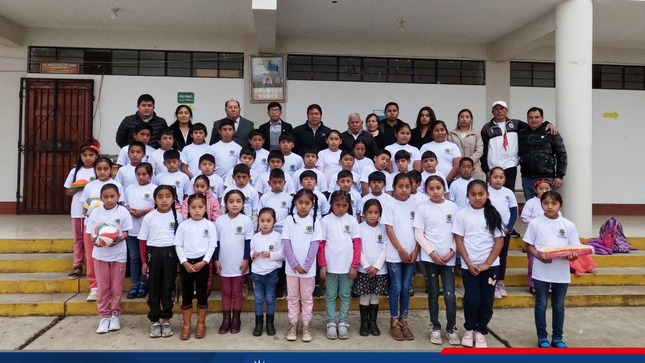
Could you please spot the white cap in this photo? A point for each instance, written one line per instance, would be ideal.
(500, 103)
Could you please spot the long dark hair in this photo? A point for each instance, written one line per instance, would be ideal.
(231, 192)
(79, 162)
(173, 192)
(339, 194)
(492, 216)
(199, 196)
(314, 200)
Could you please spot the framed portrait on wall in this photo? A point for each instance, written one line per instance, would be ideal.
(267, 79)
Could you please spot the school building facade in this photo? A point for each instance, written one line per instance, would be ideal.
(582, 61)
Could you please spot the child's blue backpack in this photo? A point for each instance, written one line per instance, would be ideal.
(612, 236)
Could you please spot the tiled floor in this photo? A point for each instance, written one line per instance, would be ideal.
(59, 226)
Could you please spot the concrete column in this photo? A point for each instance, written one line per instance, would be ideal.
(498, 87)
(573, 63)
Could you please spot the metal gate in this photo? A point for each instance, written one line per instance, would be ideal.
(55, 121)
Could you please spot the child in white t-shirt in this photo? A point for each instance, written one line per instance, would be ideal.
(166, 142)
(173, 176)
(459, 185)
(310, 158)
(551, 230)
(403, 134)
(329, 158)
(136, 153)
(346, 163)
(226, 151)
(292, 161)
(261, 161)
(360, 161)
(142, 132)
(191, 154)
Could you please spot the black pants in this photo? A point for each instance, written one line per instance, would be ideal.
(282, 280)
(511, 176)
(197, 279)
(503, 254)
(479, 294)
(162, 266)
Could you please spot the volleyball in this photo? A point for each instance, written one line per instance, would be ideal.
(104, 234)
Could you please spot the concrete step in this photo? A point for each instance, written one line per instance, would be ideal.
(37, 283)
(35, 262)
(36, 245)
(517, 259)
(637, 243)
(518, 297)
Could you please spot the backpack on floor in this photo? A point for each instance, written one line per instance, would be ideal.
(612, 236)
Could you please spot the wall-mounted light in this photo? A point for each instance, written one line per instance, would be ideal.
(115, 12)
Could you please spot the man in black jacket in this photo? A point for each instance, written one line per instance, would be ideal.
(542, 155)
(274, 127)
(311, 134)
(145, 113)
(242, 125)
(355, 132)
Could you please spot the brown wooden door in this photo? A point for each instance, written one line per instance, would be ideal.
(56, 121)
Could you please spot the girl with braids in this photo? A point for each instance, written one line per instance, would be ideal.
(300, 239)
(339, 255)
(159, 258)
(478, 235)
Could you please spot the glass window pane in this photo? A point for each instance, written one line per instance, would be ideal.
(130, 71)
(152, 55)
(70, 53)
(44, 52)
(517, 74)
(145, 71)
(543, 83)
(543, 67)
(375, 77)
(125, 54)
(611, 85)
(179, 72)
(324, 60)
(425, 64)
(634, 85)
(448, 80)
(472, 65)
(521, 82)
(297, 59)
(472, 80)
(544, 75)
(521, 66)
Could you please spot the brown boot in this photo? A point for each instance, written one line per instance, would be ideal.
(186, 314)
(236, 323)
(405, 329)
(200, 332)
(395, 330)
(226, 322)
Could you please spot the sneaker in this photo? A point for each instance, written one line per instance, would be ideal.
(502, 288)
(306, 333)
(453, 338)
(558, 344)
(468, 339)
(318, 294)
(132, 294)
(94, 292)
(155, 330)
(435, 337)
(343, 332)
(515, 234)
(104, 326)
(332, 333)
(166, 331)
(115, 324)
(292, 334)
(498, 293)
(480, 340)
(141, 294)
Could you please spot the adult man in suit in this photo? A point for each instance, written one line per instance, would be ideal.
(275, 127)
(242, 125)
(355, 132)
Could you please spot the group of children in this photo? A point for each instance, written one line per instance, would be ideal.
(365, 224)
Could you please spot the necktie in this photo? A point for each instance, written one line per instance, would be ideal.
(505, 142)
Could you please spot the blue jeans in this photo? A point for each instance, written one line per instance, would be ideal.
(528, 188)
(400, 277)
(447, 274)
(558, 293)
(137, 278)
(479, 294)
(264, 291)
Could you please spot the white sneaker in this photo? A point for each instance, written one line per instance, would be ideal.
(104, 326)
(498, 293)
(468, 339)
(292, 334)
(435, 337)
(115, 324)
(332, 333)
(502, 288)
(155, 330)
(480, 340)
(94, 292)
(166, 330)
(343, 332)
(306, 332)
(453, 338)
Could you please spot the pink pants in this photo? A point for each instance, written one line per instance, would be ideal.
(79, 243)
(231, 292)
(109, 276)
(89, 260)
(300, 294)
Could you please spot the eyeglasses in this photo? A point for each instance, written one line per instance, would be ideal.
(275, 110)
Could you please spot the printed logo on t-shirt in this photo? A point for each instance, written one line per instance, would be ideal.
(284, 204)
(92, 178)
(117, 221)
(561, 233)
(213, 189)
(171, 225)
(292, 167)
(205, 232)
(231, 152)
(247, 198)
(379, 238)
(346, 227)
(446, 151)
(177, 182)
(507, 198)
(309, 229)
(146, 196)
(412, 214)
(264, 161)
(238, 230)
(271, 248)
(448, 218)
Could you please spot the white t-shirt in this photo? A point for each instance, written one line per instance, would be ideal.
(292, 163)
(301, 233)
(533, 209)
(389, 178)
(190, 155)
(126, 175)
(459, 192)
(251, 198)
(329, 162)
(333, 183)
(260, 165)
(281, 203)
(227, 155)
(216, 183)
(436, 219)
(424, 177)
(420, 197)
(76, 208)
(177, 179)
(229, 180)
(446, 151)
(479, 241)
(400, 216)
(93, 190)
(359, 164)
(139, 197)
(415, 155)
(158, 229)
(384, 198)
(232, 234)
(355, 199)
(156, 159)
(271, 242)
(123, 159)
(321, 182)
(544, 232)
(503, 200)
(374, 244)
(195, 239)
(323, 205)
(338, 232)
(119, 216)
(262, 184)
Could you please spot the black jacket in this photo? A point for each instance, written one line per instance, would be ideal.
(179, 137)
(265, 129)
(305, 137)
(542, 155)
(370, 144)
(125, 132)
